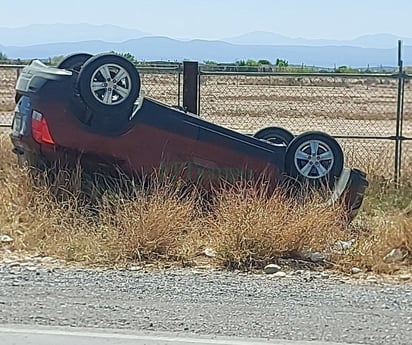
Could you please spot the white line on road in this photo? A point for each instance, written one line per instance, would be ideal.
(17, 335)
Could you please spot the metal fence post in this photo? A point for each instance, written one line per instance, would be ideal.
(190, 86)
(198, 92)
(399, 116)
(179, 69)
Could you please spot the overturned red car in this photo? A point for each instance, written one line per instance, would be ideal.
(91, 109)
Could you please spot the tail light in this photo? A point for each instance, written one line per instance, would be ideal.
(40, 129)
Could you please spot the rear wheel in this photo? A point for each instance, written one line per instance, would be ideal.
(74, 61)
(314, 157)
(109, 84)
(275, 135)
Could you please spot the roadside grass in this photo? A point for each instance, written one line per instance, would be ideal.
(125, 223)
(384, 224)
(251, 230)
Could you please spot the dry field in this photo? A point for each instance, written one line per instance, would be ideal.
(339, 106)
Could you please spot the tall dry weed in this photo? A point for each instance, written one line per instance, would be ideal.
(250, 230)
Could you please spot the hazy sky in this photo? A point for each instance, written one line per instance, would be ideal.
(214, 19)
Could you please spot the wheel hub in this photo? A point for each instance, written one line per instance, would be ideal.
(110, 84)
(314, 159)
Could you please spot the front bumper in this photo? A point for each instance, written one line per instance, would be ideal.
(350, 191)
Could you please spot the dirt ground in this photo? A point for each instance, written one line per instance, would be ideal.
(339, 106)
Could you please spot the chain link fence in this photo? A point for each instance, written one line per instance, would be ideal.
(359, 110)
(406, 131)
(162, 83)
(8, 78)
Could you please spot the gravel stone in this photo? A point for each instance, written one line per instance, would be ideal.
(371, 279)
(356, 270)
(395, 255)
(317, 257)
(210, 252)
(31, 268)
(135, 268)
(271, 269)
(5, 238)
(405, 277)
(345, 245)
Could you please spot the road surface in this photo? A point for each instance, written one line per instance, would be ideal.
(14, 335)
(301, 306)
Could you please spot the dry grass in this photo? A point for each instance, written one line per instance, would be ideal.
(57, 219)
(385, 223)
(251, 230)
(128, 223)
(111, 225)
(383, 236)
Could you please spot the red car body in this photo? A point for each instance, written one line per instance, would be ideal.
(52, 123)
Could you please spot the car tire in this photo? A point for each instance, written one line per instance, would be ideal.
(275, 135)
(314, 157)
(74, 61)
(109, 84)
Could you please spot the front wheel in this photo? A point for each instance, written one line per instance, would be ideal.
(314, 157)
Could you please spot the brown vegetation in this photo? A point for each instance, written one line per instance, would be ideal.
(127, 224)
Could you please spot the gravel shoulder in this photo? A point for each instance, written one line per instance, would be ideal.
(301, 306)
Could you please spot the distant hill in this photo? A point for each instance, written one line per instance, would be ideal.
(383, 41)
(166, 49)
(54, 33)
(44, 41)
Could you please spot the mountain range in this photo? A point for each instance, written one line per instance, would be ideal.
(44, 41)
(381, 41)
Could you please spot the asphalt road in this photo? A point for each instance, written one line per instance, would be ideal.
(306, 306)
(69, 336)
